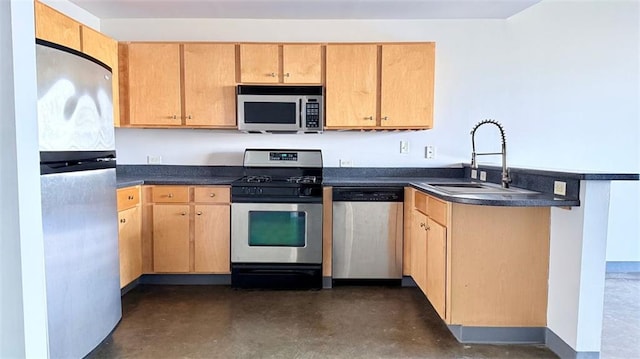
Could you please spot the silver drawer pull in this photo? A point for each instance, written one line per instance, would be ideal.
(370, 118)
(212, 195)
(385, 118)
(170, 195)
(130, 197)
(183, 213)
(199, 213)
(273, 74)
(123, 220)
(287, 75)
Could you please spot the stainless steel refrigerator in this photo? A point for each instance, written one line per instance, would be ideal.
(78, 184)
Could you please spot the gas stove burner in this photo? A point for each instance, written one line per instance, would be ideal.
(258, 179)
(303, 179)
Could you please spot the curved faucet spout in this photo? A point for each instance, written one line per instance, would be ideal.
(474, 164)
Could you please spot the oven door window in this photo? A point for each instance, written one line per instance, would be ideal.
(270, 112)
(277, 228)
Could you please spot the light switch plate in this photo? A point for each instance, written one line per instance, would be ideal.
(430, 152)
(483, 176)
(404, 146)
(560, 188)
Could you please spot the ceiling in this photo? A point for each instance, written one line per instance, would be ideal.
(306, 9)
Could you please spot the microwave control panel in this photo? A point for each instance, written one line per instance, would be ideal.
(313, 115)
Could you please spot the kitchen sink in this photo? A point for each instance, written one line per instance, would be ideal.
(470, 188)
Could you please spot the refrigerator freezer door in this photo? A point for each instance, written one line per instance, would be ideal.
(81, 259)
(75, 106)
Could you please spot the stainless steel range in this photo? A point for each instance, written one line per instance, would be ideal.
(276, 220)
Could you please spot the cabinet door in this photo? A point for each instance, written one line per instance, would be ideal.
(302, 63)
(419, 249)
(351, 85)
(210, 85)
(104, 49)
(259, 63)
(130, 240)
(154, 84)
(406, 95)
(212, 238)
(171, 238)
(436, 266)
(56, 27)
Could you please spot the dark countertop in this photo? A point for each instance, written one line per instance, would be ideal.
(539, 181)
(127, 181)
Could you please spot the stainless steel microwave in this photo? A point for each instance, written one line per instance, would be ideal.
(263, 108)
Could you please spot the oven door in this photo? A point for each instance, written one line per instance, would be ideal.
(269, 113)
(276, 233)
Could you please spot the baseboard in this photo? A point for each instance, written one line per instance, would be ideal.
(564, 350)
(408, 282)
(498, 335)
(127, 288)
(623, 267)
(186, 279)
(327, 282)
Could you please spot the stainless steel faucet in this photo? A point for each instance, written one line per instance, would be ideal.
(474, 164)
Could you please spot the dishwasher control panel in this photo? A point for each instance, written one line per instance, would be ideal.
(368, 194)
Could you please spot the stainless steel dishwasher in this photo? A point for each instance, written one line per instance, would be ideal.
(367, 232)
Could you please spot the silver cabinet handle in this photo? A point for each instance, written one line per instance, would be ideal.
(212, 195)
(123, 220)
(385, 118)
(130, 197)
(422, 225)
(273, 74)
(183, 213)
(189, 117)
(173, 117)
(199, 213)
(170, 195)
(370, 118)
(287, 75)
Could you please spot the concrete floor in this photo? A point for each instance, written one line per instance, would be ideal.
(344, 322)
(621, 321)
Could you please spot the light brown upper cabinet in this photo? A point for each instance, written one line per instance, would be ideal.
(53, 26)
(385, 86)
(210, 85)
(105, 49)
(406, 92)
(281, 63)
(351, 85)
(171, 84)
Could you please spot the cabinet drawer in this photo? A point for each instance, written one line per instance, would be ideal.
(420, 202)
(170, 194)
(211, 194)
(128, 197)
(437, 210)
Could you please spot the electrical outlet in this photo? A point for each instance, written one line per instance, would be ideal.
(346, 163)
(404, 146)
(474, 174)
(154, 159)
(430, 152)
(483, 176)
(560, 188)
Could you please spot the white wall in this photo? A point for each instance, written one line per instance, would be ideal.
(23, 312)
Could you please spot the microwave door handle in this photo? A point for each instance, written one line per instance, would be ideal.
(301, 109)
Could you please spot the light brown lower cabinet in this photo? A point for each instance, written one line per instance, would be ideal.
(129, 234)
(481, 266)
(130, 242)
(190, 230)
(171, 238)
